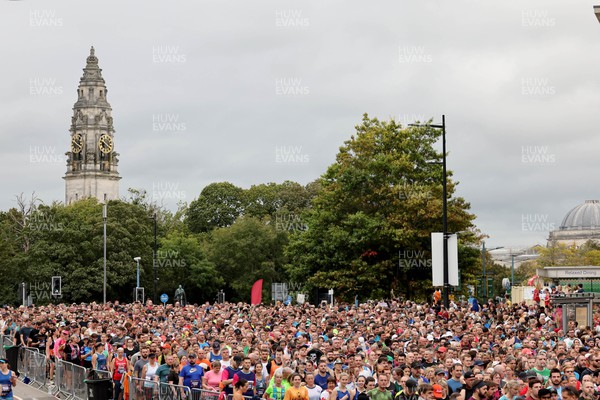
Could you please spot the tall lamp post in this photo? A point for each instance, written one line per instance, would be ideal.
(446, 288)
(104, 217)
(137, 275)
(154, 263)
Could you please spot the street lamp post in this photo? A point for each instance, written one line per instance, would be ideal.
(446, 287)
(104, 217)
(154, 263)
(137, 275)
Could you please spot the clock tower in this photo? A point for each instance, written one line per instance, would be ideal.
(91, 159)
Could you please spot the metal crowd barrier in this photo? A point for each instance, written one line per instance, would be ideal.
(60, 379)
(142, 389)
(7, 340)
(33, 366)
(230, 397)
(69, 380)
(79, 388)
(173, 392)
(2, 351)
(102, 374)
(201, 394)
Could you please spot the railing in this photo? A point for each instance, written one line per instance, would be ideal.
(32, 364)
(69, 380)
(143, 389)
(173, 392)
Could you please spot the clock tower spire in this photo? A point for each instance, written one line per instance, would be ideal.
(91, 159)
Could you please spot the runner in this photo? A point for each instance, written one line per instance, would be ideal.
(8, 379)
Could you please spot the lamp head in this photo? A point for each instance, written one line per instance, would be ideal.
(137, 259)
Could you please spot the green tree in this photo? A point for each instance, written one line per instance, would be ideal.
(68, 241)
(247, 251)
(382, 197)
(218, 205)
(182, 261)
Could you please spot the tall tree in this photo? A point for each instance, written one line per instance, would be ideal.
(246, 251)
(377, 205)
(218, 205)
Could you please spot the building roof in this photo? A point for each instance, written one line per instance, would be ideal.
(585, 216)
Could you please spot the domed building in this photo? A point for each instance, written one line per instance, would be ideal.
(580, 224)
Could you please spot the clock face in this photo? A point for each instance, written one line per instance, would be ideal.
(76, 143)
(105, 144)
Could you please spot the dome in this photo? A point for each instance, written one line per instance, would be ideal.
(585, 216)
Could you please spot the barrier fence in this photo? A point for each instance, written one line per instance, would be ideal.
(33, 365)
(142, 389)
(69, 379)
(173, 392)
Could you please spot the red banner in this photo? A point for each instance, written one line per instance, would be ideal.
(256, 293)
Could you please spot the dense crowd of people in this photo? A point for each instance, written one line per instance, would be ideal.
(374, 351)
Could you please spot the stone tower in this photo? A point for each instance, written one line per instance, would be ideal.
(91, 159)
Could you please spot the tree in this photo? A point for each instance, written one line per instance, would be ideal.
(218, 205)
(182, 261)
(381, 199)
(246, 251)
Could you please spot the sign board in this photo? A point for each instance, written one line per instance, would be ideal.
(164, 298)
(437, 258)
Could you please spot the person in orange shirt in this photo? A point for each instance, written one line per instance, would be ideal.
(202, 359)
(296, 391)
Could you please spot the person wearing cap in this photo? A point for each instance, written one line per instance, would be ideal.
(469, 386)
(246, 373)
(439, 375)
(479, 391)
(215, 351)
(409, 392)
(416, 369)
(191, 374)
(438, 391)
(149, 376)
(99, 360)
(165, 350)
(8, 379)
(229, 373)
(425, 392)
(85, 353)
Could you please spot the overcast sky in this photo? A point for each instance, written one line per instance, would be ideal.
(265, 91)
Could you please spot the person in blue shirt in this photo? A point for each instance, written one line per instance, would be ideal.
(191, 374)
(8, 379)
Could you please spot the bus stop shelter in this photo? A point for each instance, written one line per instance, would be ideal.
(578, 307)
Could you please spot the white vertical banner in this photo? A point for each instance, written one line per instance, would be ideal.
(453, 259)
(437, 258)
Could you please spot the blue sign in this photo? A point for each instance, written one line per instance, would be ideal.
(164, 298)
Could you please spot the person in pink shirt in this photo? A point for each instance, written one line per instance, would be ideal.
(212, 379)
(59, 345)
